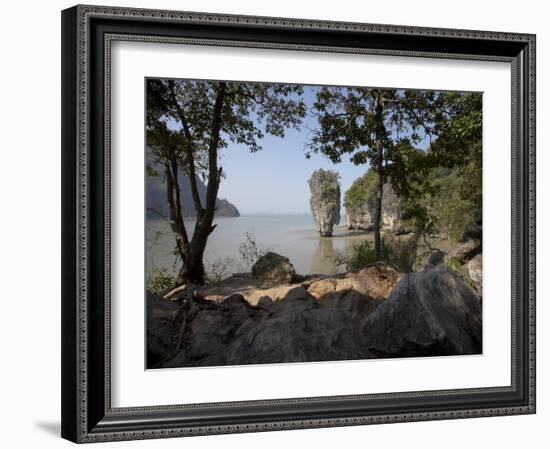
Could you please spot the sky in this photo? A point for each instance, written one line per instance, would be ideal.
(274, 180)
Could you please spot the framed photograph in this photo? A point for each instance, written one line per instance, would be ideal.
(277, 224)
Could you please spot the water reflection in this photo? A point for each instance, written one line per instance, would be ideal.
(292, 236)
(331, 252)
(323, 260)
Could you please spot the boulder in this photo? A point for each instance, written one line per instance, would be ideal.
(235, 298)
(431, 313)
(322, 287)
(252, 291)
(466, 250)
(296, 293)
(212, 330)
(436, 257)
(162, 325)
(265, 302)
(475, 271)
(273, 267)
(297, 330)
(325, 200)
(376, 281)
(274, 293)
(343, 317)
(358, 305)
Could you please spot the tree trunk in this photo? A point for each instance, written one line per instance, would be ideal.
(379, 133)
(174, 205)
(193, 266)
(192, 269)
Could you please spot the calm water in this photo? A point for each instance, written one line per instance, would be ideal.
(293, 236)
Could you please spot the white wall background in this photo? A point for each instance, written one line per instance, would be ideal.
(30, 228)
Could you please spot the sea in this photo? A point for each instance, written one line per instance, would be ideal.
(293, 236)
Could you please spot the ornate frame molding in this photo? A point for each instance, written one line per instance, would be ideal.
(84, 418)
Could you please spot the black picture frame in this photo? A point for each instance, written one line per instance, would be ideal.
(87, 414)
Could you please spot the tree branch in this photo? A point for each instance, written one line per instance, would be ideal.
(214, 172)
(190, 159)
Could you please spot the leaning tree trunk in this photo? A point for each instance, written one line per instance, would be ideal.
(379, 117)
(174, 205)
(193, 266)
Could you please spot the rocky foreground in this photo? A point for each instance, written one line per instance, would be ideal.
(376, 312)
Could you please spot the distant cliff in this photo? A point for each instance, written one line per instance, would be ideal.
(157, 203)
(359, 204)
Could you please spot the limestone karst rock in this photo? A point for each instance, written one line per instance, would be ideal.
(428, 313)
(431, 312)
(156, 196)
(325, 200)
(466, 250)
(475, 271)
(359, 204)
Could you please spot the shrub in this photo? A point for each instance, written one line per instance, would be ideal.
(448, 201)
(160, 281)
(403, 253)
(249, 251)
(220, 269)
(454, 265)
(363, 255)
(362, 191)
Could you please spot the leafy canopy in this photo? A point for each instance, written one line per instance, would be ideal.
(185, 108)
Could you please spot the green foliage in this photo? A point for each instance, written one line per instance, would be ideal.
(351, 118)
(329, 189)
(328, 181)
(160, 281)
(188, 124)
(151, 172)
(220, 269)
(382, 127)
(459, 139)
(446, 202)
(249, 253)
(457, 212)
(403, 253)
(454, 265)
(446, 194)
(249, 111)
(442, 186)
(249, 250)
(363, 256)
(362, 191)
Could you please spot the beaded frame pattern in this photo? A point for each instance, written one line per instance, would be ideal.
(87, 12)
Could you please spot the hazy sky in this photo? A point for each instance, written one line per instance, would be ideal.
(275, 179)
